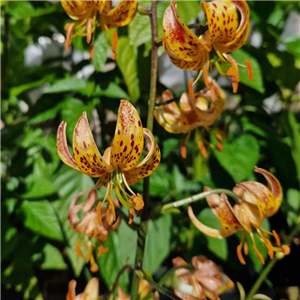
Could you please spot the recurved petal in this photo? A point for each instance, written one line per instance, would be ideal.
(128, 141)
(267, 200)
(180, 43)
(168, 116)
(215, 233)
(222, 21)
(227, 218)
(273, 184)
(62, 147)
(91, 290)
(193, 116)
(148, 165)
(119, 16)
(86, 153)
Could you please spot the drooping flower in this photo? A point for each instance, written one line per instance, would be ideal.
(91, 291)
(94, 224)
(206, 281)
(195, 110)
(119, 167)
(224, 33)
(257, 202)
(92, 14)
(145, 292)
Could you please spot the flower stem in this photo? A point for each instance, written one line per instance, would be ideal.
(271, 264)
(142, 230)
(197, 197)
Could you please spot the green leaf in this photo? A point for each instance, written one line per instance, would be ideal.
(188, 10)
(15, 91)
(112, 90)
(122, 248)
(41, 218)
(168, 146)
(239, 157)
(292, 44)
(53, 259)
(293, 200)
(24, 9)
(158, 242)
(66, 85)
(292, 127)
(100, 52)
(257, 82)
(126, 61)
(38, 187)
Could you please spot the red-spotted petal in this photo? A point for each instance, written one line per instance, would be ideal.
(62, 147)
(86, 153)
(148, 165)
(128, 141)
(180, 43)
(119, 16)
(215, 233)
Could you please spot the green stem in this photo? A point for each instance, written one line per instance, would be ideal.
(263, 275)
(166, 207)
(142, 230)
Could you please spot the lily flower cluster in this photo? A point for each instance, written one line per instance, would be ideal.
(256, 202)
(195, 110)
(120, 165)
(90, 14)
(206, 281)
(95, 223)
(224, 33)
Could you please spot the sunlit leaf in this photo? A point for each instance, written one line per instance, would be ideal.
(41, 218)
(126, 61)
(239, 157)
(257, 82)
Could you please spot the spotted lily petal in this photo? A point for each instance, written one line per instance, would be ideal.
(63, 149)
(180, 43)
(119, 16)
(86, 153)
(192, 116)
(268, 200)
(168, 116)
(215, 233)
(128, 141)
(79, 10)
(226, 33)
(148, 165)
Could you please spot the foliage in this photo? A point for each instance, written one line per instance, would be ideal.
(43, 85)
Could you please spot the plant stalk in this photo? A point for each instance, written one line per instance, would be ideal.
(142, 230)
(263, 275)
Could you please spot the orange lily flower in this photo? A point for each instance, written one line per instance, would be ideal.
(206, 281)
(195, 110)
(119, 167)
(94, 224)
(91, 291)
(224, 34)
(256, 203)
(90, 14)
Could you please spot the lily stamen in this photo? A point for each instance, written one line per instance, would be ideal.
(77, 249)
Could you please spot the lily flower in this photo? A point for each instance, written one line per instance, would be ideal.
(195, 110)
(120, 165)
(90, 14)
(94, 224)
(257, 202)
(206, 281)
(91, 291)
(225, 33)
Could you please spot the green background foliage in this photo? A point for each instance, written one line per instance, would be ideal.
(42, 85)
